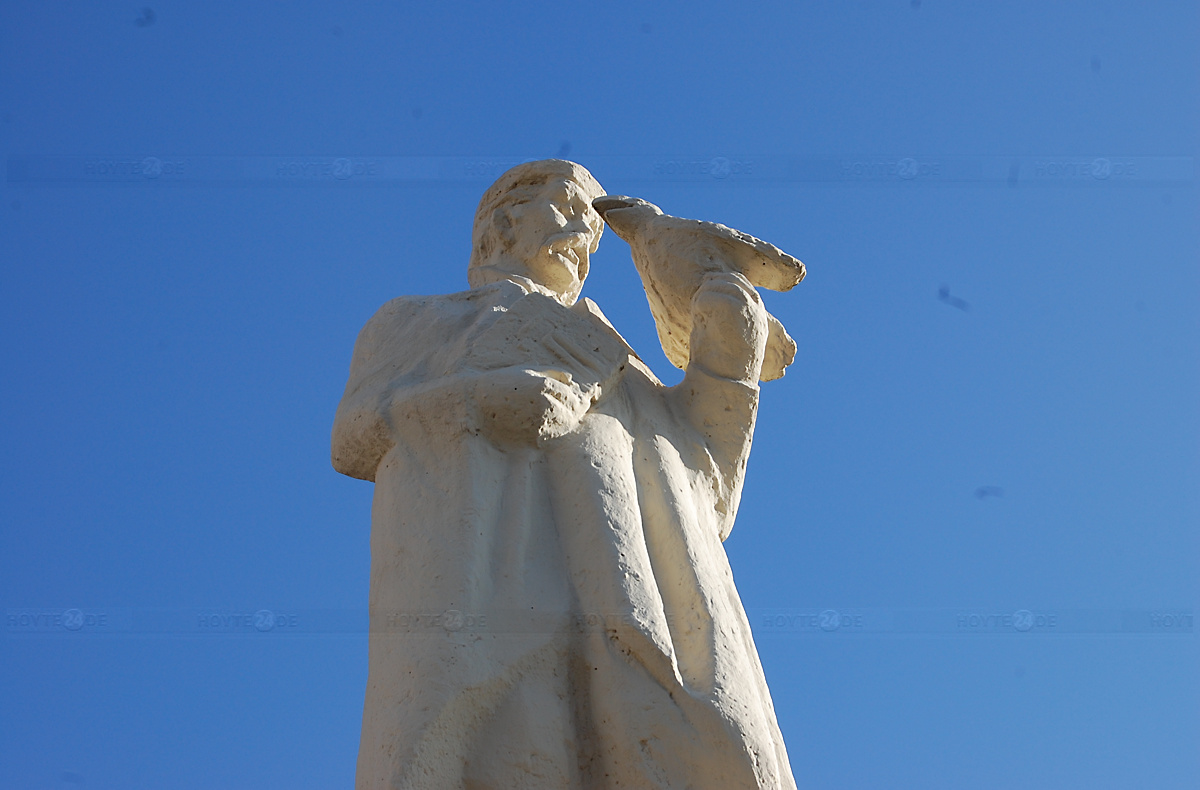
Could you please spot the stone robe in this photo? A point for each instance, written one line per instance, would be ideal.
(555, 614)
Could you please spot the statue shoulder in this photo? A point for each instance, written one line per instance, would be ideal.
(432, 315)
(470, 300)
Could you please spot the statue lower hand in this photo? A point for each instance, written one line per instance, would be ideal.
(729, 328)
(528, 406)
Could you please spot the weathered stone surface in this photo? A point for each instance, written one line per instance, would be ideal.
(551, 603)
(675, 256)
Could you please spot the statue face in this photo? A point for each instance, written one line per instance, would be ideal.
(553, 234)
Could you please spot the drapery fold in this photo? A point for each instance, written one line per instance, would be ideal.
(560, 614)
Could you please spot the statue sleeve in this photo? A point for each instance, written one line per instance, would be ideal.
(719, 413)
(360, 432)
(403, 372)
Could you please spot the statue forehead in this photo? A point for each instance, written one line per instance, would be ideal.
(533, 174)
(551, 189)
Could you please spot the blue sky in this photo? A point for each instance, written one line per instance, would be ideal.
(968, 536)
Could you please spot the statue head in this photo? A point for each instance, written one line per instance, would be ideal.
(537, 222)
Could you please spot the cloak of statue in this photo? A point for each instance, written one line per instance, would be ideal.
(558, 613)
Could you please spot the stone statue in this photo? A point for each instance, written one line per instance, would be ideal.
(551, 605)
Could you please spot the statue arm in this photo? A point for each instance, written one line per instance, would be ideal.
(384, 388)
(718, 397)
(384, 399)
(361, 436)
(509, 406)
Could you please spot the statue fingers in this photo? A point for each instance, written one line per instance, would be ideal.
(731, 285)
(573, 354)
(553, 374)
(568, 393)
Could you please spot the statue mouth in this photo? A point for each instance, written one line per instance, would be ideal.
(570, 246)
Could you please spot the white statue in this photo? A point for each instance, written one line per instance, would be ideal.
(551, 604)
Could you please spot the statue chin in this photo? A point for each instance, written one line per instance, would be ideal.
(551, 274)
(556, 272)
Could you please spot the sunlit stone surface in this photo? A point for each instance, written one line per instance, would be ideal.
(551, 603)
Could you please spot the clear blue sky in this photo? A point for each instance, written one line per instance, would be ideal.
(968, 542)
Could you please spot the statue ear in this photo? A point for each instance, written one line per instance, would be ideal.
(502, 224)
